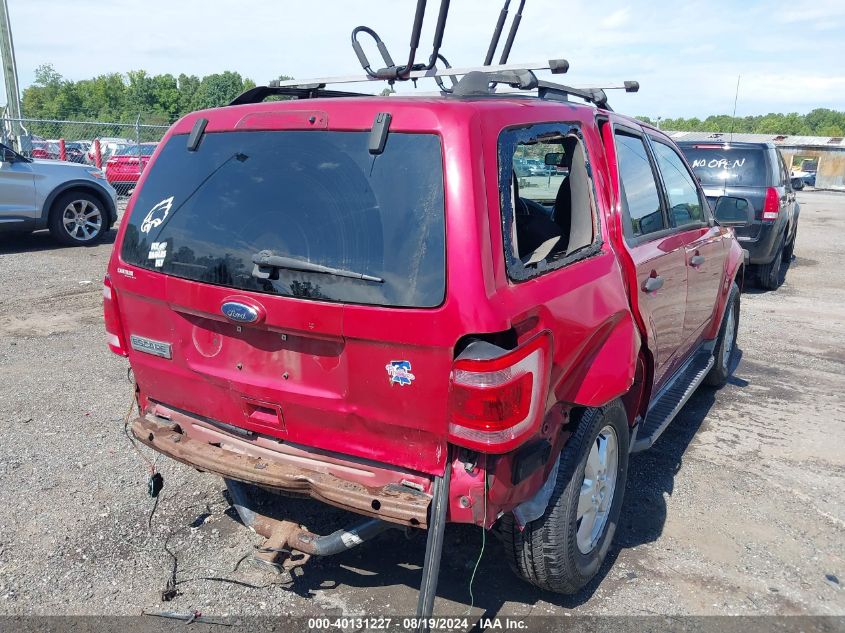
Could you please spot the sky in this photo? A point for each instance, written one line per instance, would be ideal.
(686, 55)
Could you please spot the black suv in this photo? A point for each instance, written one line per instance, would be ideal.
(755, 171)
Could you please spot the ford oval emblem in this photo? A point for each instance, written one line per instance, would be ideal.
(239, 312)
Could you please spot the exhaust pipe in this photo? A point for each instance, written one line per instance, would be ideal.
(288, 534)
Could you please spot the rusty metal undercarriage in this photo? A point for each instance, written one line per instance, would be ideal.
(288, 544)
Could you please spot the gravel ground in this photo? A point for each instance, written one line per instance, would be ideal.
(738, 509)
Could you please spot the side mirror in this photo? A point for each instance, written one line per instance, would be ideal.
(8, 156)
(735, 212)
(555, 159)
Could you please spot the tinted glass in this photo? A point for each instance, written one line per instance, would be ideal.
(316, 196)
(725, 167)
(133, 150)
(638, 186)
(681, 192)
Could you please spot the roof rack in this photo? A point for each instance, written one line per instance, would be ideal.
(473, 81)
(309, 90)
(477, 81)
(556, 66)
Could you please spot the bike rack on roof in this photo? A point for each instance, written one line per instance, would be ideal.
(475, 81)
(479, 81)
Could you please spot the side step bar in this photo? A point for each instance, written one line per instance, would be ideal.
(674, 396)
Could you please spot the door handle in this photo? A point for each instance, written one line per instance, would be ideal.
(696, 260)
(653, 284)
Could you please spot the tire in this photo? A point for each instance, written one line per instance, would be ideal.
(78, 218)
(726, 342)
(548, 552)
(789, 251)
(769, 274)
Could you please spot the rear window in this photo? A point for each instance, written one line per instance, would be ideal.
(726, 167)
(310, 196)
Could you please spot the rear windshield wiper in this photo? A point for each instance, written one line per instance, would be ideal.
(266, 263)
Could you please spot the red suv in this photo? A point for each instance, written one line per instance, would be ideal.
(358, 299)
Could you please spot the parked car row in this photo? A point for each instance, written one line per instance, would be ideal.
(524, 167)
(122, 160)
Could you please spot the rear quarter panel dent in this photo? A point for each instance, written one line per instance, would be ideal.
(605, 365)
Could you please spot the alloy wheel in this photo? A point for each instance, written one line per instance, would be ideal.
(82, 220)
(730, 337)
(597, 489)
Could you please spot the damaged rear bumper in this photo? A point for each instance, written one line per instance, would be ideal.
(239, 459)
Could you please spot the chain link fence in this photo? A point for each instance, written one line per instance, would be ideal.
(120, 149)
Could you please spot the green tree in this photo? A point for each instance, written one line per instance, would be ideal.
(158, 99)
(219, 89)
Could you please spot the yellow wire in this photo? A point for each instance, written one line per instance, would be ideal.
(483, 543)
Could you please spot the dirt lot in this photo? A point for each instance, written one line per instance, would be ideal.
(738, 509)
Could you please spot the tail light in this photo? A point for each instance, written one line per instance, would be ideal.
(111, 315)
(771, 207)
(496, 403)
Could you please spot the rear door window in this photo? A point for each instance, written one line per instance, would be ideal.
(783, 172)
(547, 198)
(716, 165)
(310, 196)
(685, 205)
(639, 188)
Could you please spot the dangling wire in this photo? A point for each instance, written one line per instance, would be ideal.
(155, 481)
(483, 544)
(151, 465)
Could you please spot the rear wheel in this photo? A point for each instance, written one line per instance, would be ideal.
(790, 248)
(769, 274)
(78, 218)
(563, 549)
(726, 343)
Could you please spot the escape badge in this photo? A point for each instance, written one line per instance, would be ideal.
(399, 372)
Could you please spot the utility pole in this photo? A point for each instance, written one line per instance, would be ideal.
(10, 76)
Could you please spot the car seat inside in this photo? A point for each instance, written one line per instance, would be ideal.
(546, 227)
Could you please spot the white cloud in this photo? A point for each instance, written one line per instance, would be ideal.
(617, 19)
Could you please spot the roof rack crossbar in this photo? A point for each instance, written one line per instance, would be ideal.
(555, 65)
